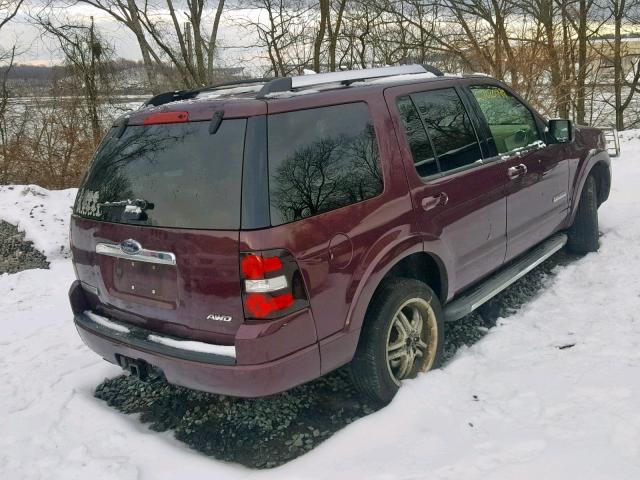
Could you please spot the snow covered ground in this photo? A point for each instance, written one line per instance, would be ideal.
(42, 214)
(552, 392)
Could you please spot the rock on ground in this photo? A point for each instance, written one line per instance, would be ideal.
(16, 253)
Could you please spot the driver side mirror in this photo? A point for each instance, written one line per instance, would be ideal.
(561, 130)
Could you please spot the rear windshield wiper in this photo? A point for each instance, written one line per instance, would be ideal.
(133, 209)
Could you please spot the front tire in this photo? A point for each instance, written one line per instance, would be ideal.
(583, 234)
(402, 335)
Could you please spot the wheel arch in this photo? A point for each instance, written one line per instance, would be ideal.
(598, 165)
(427, 267)
(602, 174)
(424, 267)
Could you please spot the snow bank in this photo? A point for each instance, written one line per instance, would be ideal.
(42, 214)
(551, 392)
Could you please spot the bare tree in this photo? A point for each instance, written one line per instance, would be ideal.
(626, 68)
(9, 127)
(8, 10)
(283, 32)
(180, 38)
(88, 59)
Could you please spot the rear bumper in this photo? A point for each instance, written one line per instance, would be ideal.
(141, 339)
(266, 358)
(208, 372)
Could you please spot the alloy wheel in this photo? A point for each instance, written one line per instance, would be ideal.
(411, 340)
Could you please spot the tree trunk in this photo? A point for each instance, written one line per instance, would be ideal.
(213, 40)
(322, 29)
(334, 33)
(186, 69)
(196, 9)
(136, 28)
(618, 9)
(582, 63)
(547, 20)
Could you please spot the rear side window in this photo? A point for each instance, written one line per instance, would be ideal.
(446, 123)
(321, 159)
(175, 175)
(511, 123)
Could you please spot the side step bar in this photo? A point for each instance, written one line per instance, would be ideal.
(472, 298)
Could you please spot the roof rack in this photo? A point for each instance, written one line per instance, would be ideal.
(177, 95)
(287, 84)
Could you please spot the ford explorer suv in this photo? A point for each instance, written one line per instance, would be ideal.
(244, 239)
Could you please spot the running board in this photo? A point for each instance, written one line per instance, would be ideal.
(472, 298)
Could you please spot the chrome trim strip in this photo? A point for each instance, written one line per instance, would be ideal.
(143, 255)
(105, 322)
(194, 346)
(519, 275)
(140, 338)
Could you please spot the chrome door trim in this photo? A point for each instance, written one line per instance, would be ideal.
(142, 255)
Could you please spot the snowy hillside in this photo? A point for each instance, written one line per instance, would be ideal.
(552, 392)
(42, 214)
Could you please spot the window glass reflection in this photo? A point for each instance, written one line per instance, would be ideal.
(449, 128)
(321, 159)
(176, 175)
(423, 158)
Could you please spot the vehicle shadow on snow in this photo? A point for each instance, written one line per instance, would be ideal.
(267, 432)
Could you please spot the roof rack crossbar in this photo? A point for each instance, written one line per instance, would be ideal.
(232, 84)
(177, 95)
(431, 69)
(286, 84)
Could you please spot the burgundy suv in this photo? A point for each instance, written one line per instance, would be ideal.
(243, 239)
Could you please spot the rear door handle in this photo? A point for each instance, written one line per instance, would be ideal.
(439, 200)
(517, 171)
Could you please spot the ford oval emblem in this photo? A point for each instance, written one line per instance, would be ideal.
(130, 247)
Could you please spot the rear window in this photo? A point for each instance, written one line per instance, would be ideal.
(321, 159)
(176, 175)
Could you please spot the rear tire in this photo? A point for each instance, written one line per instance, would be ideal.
(583, 234)
(402, 335)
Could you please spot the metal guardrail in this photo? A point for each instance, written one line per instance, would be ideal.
(613, 141)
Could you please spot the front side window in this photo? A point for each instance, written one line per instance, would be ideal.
(511, 123)
(439, 116)
(321, 159)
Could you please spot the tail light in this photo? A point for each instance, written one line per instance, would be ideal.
(273, 285)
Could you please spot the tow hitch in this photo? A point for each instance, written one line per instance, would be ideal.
(139, 368)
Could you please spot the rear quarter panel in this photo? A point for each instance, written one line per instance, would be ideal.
(338, 251)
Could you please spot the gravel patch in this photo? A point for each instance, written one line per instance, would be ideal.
(17, 254)
(267, 432)
(258, 433)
